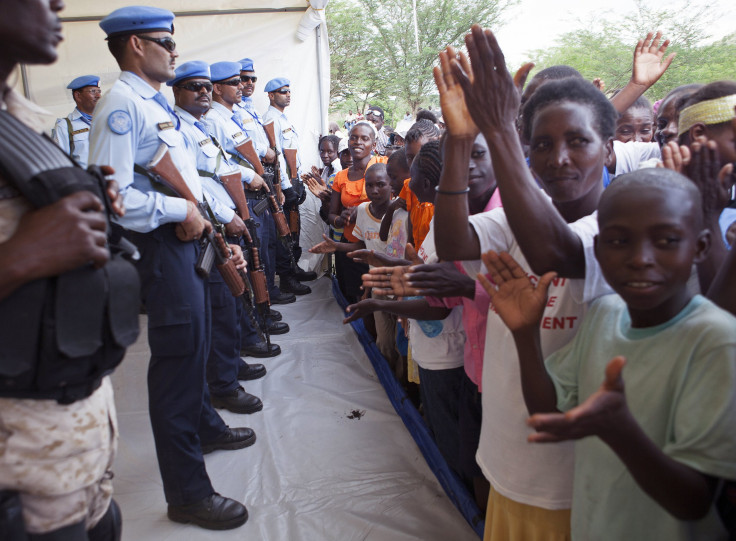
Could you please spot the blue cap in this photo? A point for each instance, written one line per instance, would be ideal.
(84, 80)
(224, 70)
(275, 84)
(135, 19)
(246, 64)
(190, 70)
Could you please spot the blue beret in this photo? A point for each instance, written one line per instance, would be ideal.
(84, 80)
(224, 70)
(134, 19)
(190, 70)
(246, 64)
(275, 84)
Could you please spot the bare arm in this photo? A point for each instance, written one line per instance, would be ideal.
(648, 67)
(682, 491)
(544, 236)
(334, 218)
(54, 239)
(415, 309)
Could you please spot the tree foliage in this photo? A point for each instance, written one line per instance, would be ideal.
(604, 47)
(374, 51)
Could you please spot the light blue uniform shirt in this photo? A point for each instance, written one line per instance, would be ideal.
(127, 129)
(253, 125)
(202, 146)
(220, 124)
(286, 137)
(80, 136)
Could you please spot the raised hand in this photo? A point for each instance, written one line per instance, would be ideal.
(327, 246)
(455, 112)
(603, 413)
(675, 157)
(714, 182)
(490, 93)
(649, 61)
(389, 281)
(599, 83)
(518, 302)
(521, 75)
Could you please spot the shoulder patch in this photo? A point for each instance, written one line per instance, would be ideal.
(119, 122)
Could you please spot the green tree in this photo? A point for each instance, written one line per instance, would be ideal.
(376, 55)
(604, 47)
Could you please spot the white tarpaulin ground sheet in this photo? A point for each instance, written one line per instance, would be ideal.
(314, 473)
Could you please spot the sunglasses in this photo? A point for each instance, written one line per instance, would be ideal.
(230, 82)
(196, 87)
(167, 43)
(246, 78)
(282, 91)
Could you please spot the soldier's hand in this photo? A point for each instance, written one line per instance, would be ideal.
(113, 191)
(281, 197)
(236, 227)
(270, 156)
(63, 236)
(238, 259)
(193, 226)
(257, 183)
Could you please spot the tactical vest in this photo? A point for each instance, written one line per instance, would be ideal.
(60, 336)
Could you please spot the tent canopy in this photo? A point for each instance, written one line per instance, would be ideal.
(263, 30)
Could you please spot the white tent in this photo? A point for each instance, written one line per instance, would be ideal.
(264, 30)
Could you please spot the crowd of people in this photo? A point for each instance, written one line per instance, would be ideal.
(543, 245)
(545, 269)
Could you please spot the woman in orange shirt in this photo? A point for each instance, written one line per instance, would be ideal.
(348, 191)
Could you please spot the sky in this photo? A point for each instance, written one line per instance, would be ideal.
(533, 24)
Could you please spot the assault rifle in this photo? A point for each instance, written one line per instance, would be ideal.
(248, 151)
(214, 249)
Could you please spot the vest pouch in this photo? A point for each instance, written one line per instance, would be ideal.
(21, 313)
(123, 301)
(80, 303)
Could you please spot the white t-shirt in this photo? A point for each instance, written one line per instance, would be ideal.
(633, 155)
(538, 475)
(367, 227)
(446, 350)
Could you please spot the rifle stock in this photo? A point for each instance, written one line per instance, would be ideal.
(271, 135)
(248, 151)
(290, 157)
(166, 172)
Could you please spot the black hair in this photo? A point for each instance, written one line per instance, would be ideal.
(424, 114)
(641, 103)
(376, 108)
(560, 71)
(371, 128)
(400, 156)
(334, 139)
(421, 128)
(377, 166)
(429, 163)
(572, 90)
(116, 45)
(659, 177)
(711, 91)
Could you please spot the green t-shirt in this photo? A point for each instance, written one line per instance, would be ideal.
(680, 385)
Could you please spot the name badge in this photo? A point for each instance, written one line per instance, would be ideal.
(83, 130)
(204, 142)
(165, 125)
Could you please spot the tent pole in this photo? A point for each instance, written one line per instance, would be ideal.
(322, 115)
(92, 18)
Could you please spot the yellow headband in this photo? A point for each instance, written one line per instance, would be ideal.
(707, 112)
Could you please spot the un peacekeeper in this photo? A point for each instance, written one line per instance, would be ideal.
(192, 94)
(65, 310)
(72, 132)
(253, 126)
(131, 122)
(279, 96)
(224, 123)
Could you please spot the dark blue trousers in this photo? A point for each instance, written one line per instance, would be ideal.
(177, 304)
(224, 355)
